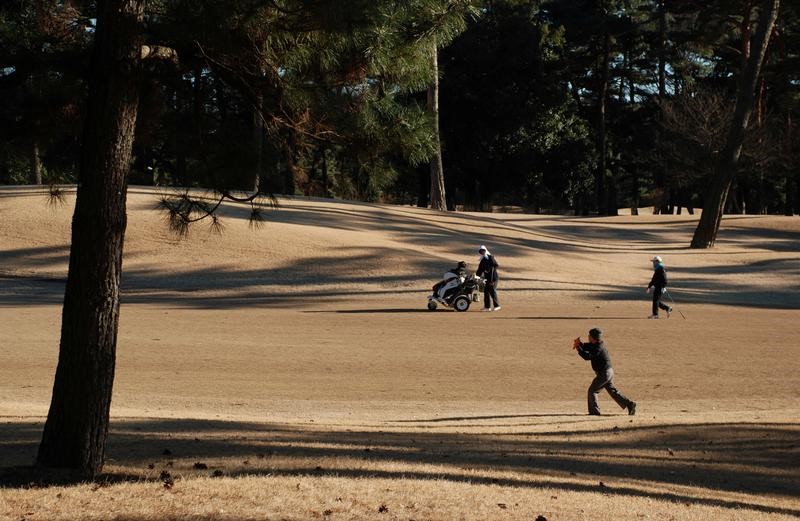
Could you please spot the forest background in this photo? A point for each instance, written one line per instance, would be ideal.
(571, 106)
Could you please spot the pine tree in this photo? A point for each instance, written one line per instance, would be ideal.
(284, 60)
(706, 233)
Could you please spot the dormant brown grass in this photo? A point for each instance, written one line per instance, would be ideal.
(297, 362)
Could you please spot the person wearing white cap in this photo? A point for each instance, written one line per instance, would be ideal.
(488, 269)
(657, 284)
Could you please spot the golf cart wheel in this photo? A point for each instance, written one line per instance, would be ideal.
(432, 305)
(461, 304)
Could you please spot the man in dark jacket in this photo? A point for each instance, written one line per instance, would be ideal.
(488, 269)
(657, 284)
(595, 350)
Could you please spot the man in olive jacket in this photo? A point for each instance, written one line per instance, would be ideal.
(595, 350)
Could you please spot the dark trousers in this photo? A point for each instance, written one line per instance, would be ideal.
(605, 380)
(657, 294)
(490, 294)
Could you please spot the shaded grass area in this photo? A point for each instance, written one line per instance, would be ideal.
(323, 276)
(697, 463)
(721, 285)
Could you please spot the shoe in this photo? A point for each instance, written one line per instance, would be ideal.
(632, 409)
(486, 309)
(651, 317)
(497, 308)
(669, 312)
(595, 414)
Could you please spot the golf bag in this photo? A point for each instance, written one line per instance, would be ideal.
(456, 293)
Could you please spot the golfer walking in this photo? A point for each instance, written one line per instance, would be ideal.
(595, 350)
(658, 283)
(488, 269)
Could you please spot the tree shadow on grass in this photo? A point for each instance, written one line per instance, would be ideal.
(380, 310)
(728, 284)
(573, 318)
(354, 271)
(762, 459)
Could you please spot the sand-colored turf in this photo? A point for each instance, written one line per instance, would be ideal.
(298, 360)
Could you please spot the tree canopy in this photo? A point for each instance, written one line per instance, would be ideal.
(567, 106)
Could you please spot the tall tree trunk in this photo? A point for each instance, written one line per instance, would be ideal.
(660, 177)
(258, 142)
(325, 190)
(725, 168)
(290, 157)
(631, 82)
(662, 49)
(5, 169)
(624, 76)
(36, 163)
(602, 134)
(788, 123)
(222, 101)
(788, 154)
(77, 424)
(438, 201)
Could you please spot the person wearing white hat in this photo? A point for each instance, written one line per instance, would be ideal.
(657, 284)
(488, 269)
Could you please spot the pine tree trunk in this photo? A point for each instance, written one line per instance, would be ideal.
(602, 164)
(258, 142)
(788, 152)
(660, 178)
(325, 189)
(36, 163)
(77, 424)
(438, 201)
(5, 169)
(725, 168)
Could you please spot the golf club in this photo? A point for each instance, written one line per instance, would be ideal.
(673, 303)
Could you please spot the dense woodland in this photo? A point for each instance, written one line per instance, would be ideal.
(562, 106)
(571, 106)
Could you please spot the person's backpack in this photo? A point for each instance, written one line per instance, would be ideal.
(494, 261)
